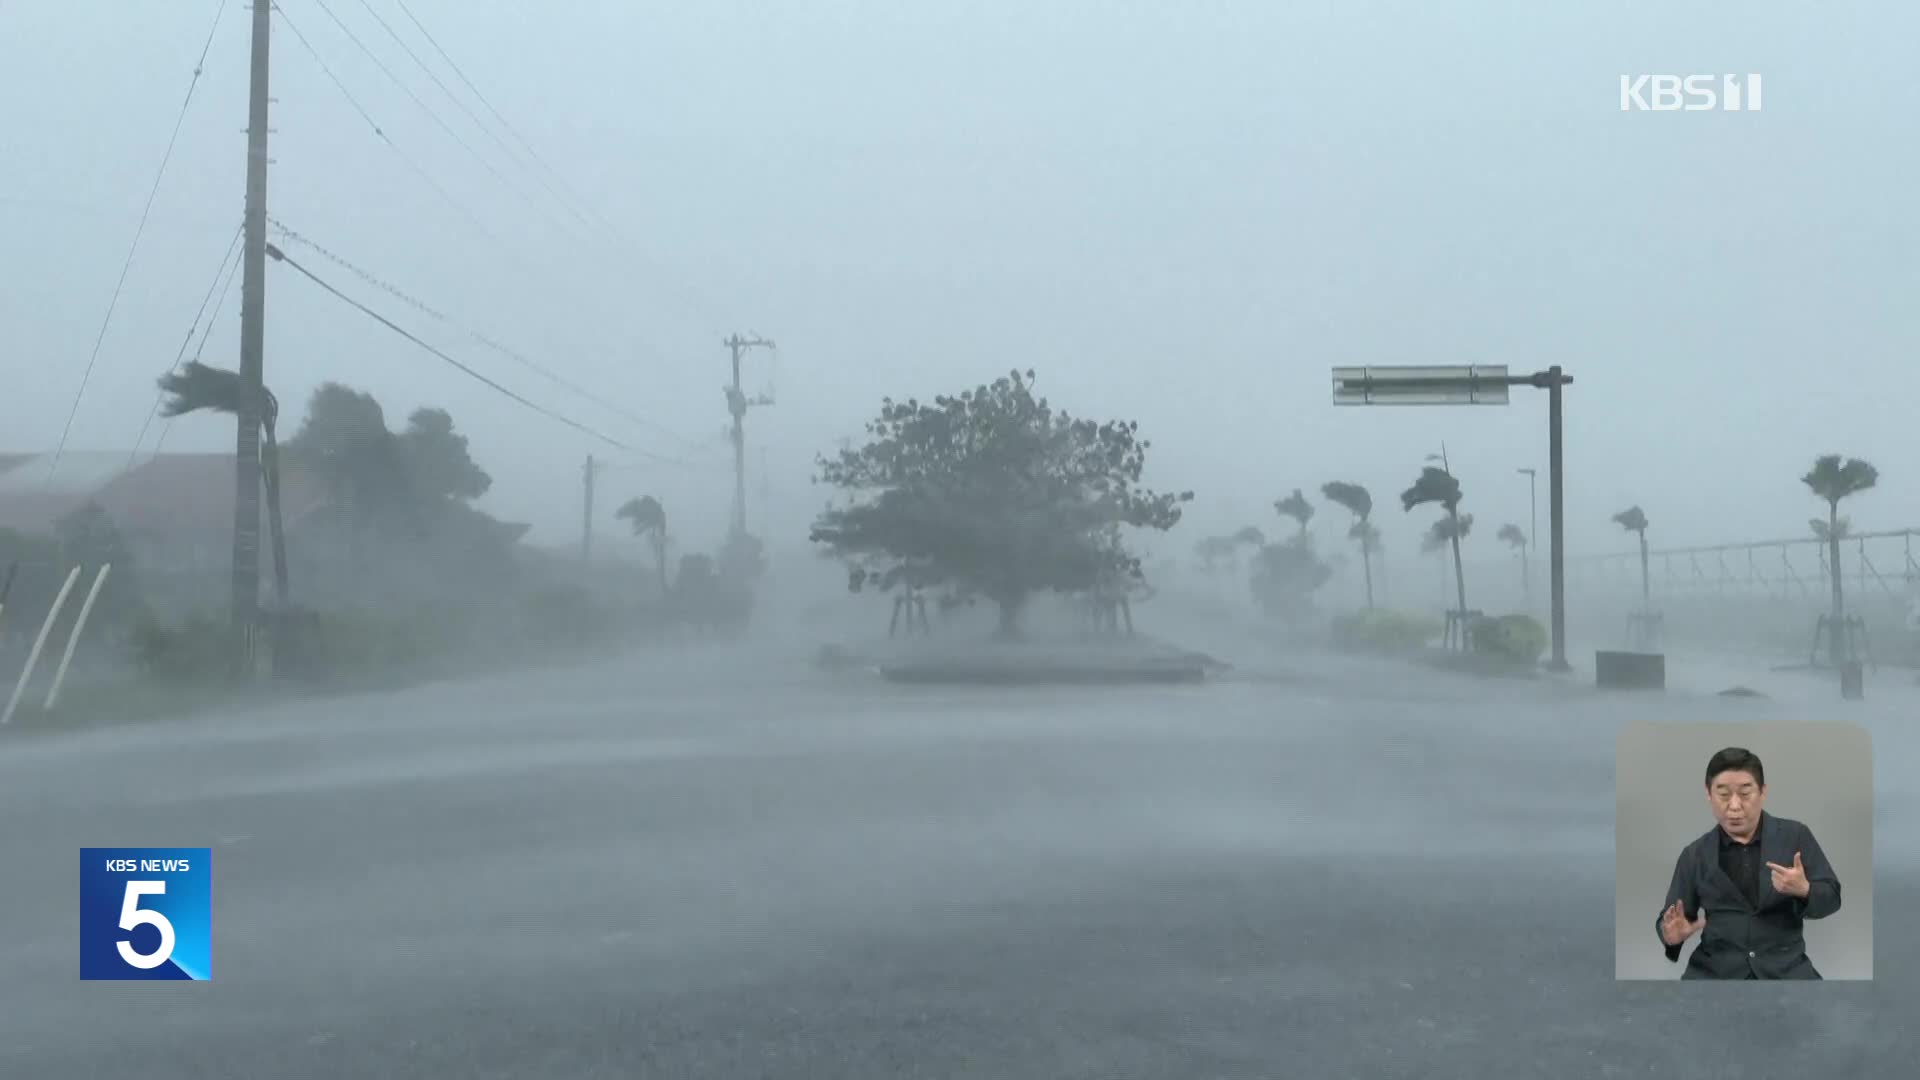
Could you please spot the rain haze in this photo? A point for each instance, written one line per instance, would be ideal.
(1086, 785)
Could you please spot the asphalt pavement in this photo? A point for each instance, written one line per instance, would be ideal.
(717, 862)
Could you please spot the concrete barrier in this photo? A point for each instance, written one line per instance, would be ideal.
(1630, 670)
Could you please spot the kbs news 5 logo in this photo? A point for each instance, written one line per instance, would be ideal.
(146, 913)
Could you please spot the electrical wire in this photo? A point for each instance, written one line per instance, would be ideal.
(206, 331)
(382, 135)
(693, 300)
(159, 397)
(428, 109)
(139, 231)
(480, 338)
(486, 128)
(281, 256)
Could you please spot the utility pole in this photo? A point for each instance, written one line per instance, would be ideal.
(1556, 380)
(253, 301)
(737, 405)
(586, 525)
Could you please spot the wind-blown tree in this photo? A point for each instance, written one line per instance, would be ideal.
(1516, 538)
(194, 387)
(649, 519)
(1285, 577)
(992, 492)
(1441, 487)
(1634, 521)
(1358, 502)
(344, 441)
(1250, 536)
(1833, 480)
(1296, 507)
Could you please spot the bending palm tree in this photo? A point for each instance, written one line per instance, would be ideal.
(1833, 480)
(1359, 503)
(1296, 507)
(1634, 520)
(1517, 540)
(648, 518)
(1440, 486)
(196, 386)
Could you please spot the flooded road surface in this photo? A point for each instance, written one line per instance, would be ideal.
(689, 866)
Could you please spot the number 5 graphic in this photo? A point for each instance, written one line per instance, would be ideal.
(132, 915)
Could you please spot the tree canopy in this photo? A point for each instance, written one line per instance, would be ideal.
(992, 491)
(1632, 519)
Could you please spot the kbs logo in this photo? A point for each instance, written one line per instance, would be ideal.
(146, 913)
(1689, 93)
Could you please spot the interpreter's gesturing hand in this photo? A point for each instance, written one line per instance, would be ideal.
(1676, 928)
(1790, 880)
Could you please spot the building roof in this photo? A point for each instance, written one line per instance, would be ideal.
(161, 495)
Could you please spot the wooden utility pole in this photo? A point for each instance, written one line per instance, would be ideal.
(253, 302)
(737, 404)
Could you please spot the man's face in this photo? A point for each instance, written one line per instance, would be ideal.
(1736, 798)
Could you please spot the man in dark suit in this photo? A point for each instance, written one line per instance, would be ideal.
(1748, 885)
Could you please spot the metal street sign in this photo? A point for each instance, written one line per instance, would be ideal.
(1479, 384)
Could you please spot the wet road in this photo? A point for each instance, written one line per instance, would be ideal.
(671, 868)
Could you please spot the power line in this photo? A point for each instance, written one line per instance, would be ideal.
(381, 133)
(206, 331)
(482, 98)
(485, 128)
(232, 246)
(432, 313)
(694, 301)
(282, 256)
(94, 357)
(424, 107)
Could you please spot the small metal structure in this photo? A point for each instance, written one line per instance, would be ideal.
(1853, 635)
(1459, 632)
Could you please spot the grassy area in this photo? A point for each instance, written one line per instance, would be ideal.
(180, 668)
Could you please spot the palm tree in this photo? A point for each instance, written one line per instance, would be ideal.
(1833, 480)
(196, 386)
(1517, 539)
(1296, 507)
(1440, 486)
(648, 518)
(1634, 521)
(1359, 503)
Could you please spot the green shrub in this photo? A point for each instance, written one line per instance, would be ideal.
(198, 650)
(1519, 638)
(1380, 630)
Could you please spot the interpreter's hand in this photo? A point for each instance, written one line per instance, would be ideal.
(1676, 928)
(1790, 880)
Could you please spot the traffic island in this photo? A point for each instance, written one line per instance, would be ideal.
(1072, 662)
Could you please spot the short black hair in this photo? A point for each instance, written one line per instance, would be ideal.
(1736, 759)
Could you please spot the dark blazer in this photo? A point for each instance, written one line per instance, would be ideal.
(1741, 941)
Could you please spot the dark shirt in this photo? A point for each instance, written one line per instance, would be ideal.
(1742, 863)
(1752, 932)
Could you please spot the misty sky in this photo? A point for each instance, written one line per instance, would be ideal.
(1178, 213)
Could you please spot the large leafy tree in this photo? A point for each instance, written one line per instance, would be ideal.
(994, 492)
(436, 459)
(197, 387)
(1439, 486)
(344, 440)
(1833, 479)
(1358, 502)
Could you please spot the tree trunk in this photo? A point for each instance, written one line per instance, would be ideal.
(1366, 562)
(1009, 627)
(270, 474)
(1836, 636)
(1459, 576)
(1646, 586)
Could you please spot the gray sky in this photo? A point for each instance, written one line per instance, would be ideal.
(1178, 213)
